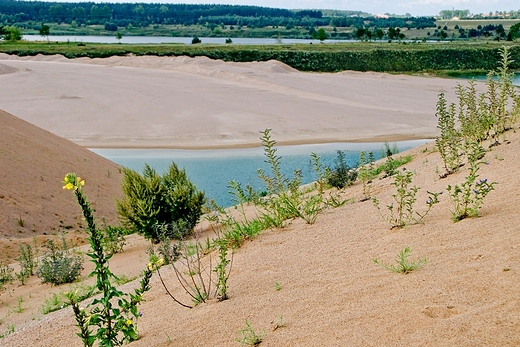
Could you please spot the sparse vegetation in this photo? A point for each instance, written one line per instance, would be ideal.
(27, 263)
(59, 264)
(248, 336)
(402, 210)
(6, 275)
(403, 264)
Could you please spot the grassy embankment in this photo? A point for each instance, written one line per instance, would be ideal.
(438, 58)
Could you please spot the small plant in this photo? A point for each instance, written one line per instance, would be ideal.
(277, 286)
(341, 175)
(389, 167)
(280, 323)
(27, 263)
(403, 264)
(468, 197)
(248, 336)
(6, 275)
(365, 174)
(114, 315)
(222, 271)
(59, 264)
(113, 239)
(19, 307)
(402, 211)
(449, 141)
(193, 270)
(21, 222)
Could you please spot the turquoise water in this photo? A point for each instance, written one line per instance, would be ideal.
(516, 78)
(211, 170)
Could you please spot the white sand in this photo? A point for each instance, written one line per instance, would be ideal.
(201, 103)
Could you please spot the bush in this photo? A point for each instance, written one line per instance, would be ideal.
(6, 275)
(195, 40)
(59, 265)
(113, 239)
(151, 201)
(27, 263)
(341, 175)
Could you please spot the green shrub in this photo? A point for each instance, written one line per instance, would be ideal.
(153, 204)
(113, 239)
(27, 263)
(401, 211)
(59, 264)
(341, 175)
(6, 275)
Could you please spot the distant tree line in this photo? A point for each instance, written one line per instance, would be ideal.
(465, 14)
(113, 15)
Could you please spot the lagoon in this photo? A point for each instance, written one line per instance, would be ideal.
(211, 170)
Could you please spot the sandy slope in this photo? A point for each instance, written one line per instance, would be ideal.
(331, 293)
(33, 163)
(197, 102)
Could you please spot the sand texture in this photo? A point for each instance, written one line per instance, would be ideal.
(330, 291)
(201, 103)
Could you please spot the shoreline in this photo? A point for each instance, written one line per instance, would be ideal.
(249, 145)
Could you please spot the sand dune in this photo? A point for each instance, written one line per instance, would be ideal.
(201, 103)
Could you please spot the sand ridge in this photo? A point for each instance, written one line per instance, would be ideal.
(180, 102)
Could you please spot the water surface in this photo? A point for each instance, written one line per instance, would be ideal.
(211, 170)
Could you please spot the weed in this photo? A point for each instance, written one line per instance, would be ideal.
(277, 286)
(402, 210)
(21, 222)
(403, 264)
(27, 263)
(468, 197)
(113, 324)
(6, 275)
(449, 141)
(113, 239)
(341, 175)
(19, 307)
(59, 265)
(194, 271)
(365, 174)
(248, 336)
(222, 271)
(389, 167)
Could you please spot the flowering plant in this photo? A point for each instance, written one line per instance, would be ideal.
(115, 324)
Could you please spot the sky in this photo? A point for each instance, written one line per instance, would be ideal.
(414, 7)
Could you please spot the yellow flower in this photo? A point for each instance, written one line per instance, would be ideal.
(128, 322)
(72, 181)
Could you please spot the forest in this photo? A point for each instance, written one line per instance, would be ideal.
(31, 14)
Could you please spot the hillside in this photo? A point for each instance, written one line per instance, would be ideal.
(33, 163)
(330, 291)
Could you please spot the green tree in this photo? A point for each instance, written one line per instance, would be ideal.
(119, 36)
(154, 205)
(12, 34)
(514, 31)
(380, 34)
(321, 34)
(45, 31)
